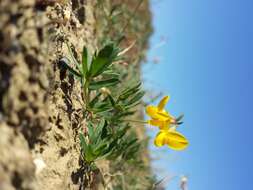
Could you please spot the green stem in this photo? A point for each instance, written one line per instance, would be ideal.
(86, 93)
(135, 121)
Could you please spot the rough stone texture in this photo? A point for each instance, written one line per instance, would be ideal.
(16, 168)
(39, 103)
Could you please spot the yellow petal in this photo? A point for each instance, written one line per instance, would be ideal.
(152, 111)
(160, 139)
(176, 140)
(154, 122)
(163, 125)
(163, 102)
(163, 115)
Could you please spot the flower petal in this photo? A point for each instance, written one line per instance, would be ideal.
(163, 102)
(154, 122)
(163, 115)
(163, 125)
(176, 140)
(160, 139)
(151, 111)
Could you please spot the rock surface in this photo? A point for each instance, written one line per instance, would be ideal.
(39, 102)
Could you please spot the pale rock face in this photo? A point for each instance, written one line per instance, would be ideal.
(16, 166)
(38, 144)
(40, 165)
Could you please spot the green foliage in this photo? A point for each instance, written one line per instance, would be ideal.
(96, 85)
(85, 61)
(100, 62)
(115, 109)
(103, 142)
(103, 60)
(96, 146)
(107, 136)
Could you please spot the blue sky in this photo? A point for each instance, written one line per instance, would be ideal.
(206, 66)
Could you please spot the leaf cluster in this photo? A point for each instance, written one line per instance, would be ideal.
(101, 142)
(92, 66)
(114, 109)
(107, 136)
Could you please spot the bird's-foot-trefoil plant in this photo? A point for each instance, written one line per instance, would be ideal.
(108, 135)
(107, 110)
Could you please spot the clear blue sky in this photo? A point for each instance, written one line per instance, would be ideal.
(206, 67)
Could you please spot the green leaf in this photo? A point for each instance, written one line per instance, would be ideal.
(112, 100)
(89, 155)
(85, 60)
(121, 132)
(74, 59)
(129, 91)
(98, 150)
(91, 132)
(132, 142)
(136, 99)
(82, 141)
(64, 63)
(104, 132)
(111, 73)
(83, 144)
(100, 126)
(95, 85)
(127, 113)
(112, 145)
(103, 60)
(102, 107)
(95, 100)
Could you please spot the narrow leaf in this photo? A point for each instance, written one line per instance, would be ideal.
(85, 60)
(129, 91)
(136, 98)
(82, 143)
(91, 132)
(95, 85)
(64, 63)
(103, 60)
(95, 100)
(112, 100)
(111, 73)
(73, 58)
(100, 126)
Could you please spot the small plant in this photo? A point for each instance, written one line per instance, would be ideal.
(107, 135)
(108, 110)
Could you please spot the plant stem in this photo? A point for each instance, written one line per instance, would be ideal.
(86, 93)
(135, 121)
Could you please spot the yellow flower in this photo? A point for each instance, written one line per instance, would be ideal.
(167, 124)
(172, 138)
(159, 116)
